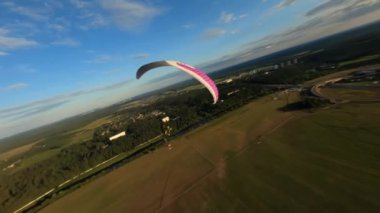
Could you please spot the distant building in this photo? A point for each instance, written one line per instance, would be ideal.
(12, 165)
(157, 113)
(166, 119)
(119, 135)
(241, 75)
(327, 66)
(233, 92)
(252, 72)
(166, 129)
(265, 68)
(228, 81)
(140, 116)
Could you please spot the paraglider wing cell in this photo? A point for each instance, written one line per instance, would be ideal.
(194, 72)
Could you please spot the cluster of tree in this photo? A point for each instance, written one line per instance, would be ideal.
(295, 74)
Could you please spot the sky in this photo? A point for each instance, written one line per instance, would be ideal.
(60, 58)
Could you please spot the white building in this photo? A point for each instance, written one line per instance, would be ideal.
(121, 134)
(166, 119)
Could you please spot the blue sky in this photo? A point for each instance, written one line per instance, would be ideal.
(61, 58)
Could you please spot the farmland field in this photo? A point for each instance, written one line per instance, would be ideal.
(17, 151)
(251, 159)
(160, 177)
(317, 163)
(352, 94)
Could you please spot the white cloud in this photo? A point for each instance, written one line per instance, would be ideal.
(92, 19)
(213, 33)
(106, 58)
(16, 86)
(327, 5)
(333, 6)
(33, 13)
(68, 42)
(113, 71)
(340, 18)
(3, 31)
(36, 107)
(280, 6)
(24, 69)
(188, 26)
(49, 110)
(226, 17)
(3, 53)
(130, 14)
(59, 24)
(244, 15)
(268, 46)
(80, 3)
(57, 27)
(140, 55)
(233, 32)
(10, 42)
(12, 87)
(103, 58)
(284, 3)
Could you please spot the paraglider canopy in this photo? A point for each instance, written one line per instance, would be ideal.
(194, 72)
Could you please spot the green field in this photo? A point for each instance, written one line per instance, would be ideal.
(362, 59)
(351, 94)
(325, 162)
(255, 159)
(49, 145)
(154, 180)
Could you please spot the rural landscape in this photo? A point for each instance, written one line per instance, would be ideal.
(297, 130)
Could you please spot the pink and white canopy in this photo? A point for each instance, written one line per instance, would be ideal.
(196, 73)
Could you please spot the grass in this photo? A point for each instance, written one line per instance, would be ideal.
(362, 59)
(192, 87)
(17, 151)
(329, 76)
(321, 162)
(155, 180)
(238, 164)
(140, 184)
(363, 83)
(351, 94)
(326, 162)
